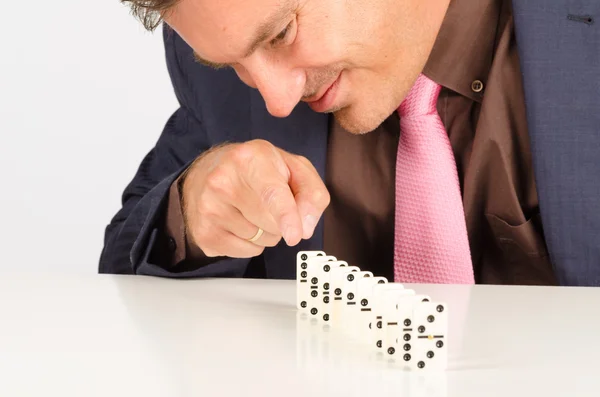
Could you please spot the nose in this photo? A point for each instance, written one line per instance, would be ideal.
(280, 85)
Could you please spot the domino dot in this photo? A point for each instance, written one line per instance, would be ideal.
(421, 364)
(326, 317)
(406, 357)
(350, 296)
(313, 311)
(439, 343)
(303, 274)
(379, 343)
(326, 299)
(338, 291)
(369, 325)
(430, 319)
(305, 257)
(326, 286)
(421, 329)
(381, 282)
(430, 354)
(319, 254)
(407, 346)
(440, 308)
(379, 324)
(367, 275)
(391, 350)
(326, 268)
(314, 294)
(425, 300)
(407, 322)
(303, 265)
(364, 302)
(314, 280)
(303, 304)
(407, 337)
(350, 277)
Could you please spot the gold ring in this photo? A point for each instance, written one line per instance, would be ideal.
(256, 236)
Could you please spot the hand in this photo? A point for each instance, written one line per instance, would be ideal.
(233, 190)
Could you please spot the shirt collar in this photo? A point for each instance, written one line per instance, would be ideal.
(463, 52)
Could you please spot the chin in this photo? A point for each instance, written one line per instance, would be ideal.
(359, 122)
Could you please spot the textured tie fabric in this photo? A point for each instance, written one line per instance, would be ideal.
(431, 243)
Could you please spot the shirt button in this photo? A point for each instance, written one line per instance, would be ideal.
(171, 244)
(477, 86)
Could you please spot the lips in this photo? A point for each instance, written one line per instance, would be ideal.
(320, 95)
(325, 99)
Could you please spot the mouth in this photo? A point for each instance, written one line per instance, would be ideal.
(325, 99)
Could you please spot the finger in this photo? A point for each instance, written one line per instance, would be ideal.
(214, 213)
(235, 223)
(223, 243)
(265, 239)
(268, 199)
(310, 192)
(249, 205)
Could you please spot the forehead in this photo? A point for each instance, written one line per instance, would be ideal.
(220, 29)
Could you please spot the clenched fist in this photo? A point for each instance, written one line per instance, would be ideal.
(233, 190)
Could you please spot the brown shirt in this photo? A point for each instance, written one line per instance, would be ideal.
(482, 106)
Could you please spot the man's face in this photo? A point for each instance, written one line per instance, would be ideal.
(357, 59)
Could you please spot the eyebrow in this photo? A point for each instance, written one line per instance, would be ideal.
(264, 31)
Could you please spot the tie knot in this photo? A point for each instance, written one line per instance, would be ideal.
(421, 99)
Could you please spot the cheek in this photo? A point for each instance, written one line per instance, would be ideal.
(318, 45)
(318, 57)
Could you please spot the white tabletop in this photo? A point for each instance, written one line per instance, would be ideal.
(102, 335)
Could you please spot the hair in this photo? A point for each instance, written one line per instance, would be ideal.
(150, 12)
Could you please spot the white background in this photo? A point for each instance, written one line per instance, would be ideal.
(84, 95)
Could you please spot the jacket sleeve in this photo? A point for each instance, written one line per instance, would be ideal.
(136, 240)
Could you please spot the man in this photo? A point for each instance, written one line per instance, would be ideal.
(303, 130)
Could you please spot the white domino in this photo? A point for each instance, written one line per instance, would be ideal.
(399, 323)
(315, 271)
(302, 278)
(384, 302)
(337, 282)
(342, 303)
(324, 273)
(429, 350)
(350, 298)
(361, 326)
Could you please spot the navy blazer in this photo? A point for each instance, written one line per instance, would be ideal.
(558, 47)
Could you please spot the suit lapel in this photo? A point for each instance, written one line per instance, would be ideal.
(305, 133)
(561, 72)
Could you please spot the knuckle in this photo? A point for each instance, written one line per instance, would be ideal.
(272, 195)
(242, 154)
(304, 161)
(220, 182)
(206, 211)
(320, 197)
(262, 144)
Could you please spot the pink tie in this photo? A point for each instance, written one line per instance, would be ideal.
(431, 243)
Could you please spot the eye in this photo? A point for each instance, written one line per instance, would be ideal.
(284, 36)
(281, 36)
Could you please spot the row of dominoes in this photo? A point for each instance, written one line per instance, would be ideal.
(382, 314)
